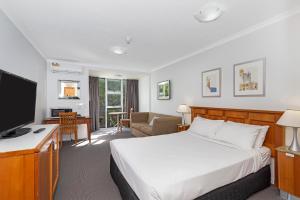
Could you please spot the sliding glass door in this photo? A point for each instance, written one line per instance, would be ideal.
(102, 101)
(111, 100)
(114, 99)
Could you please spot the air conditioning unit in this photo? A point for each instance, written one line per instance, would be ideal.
(67, 68)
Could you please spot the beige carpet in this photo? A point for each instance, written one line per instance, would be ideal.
(84, 171)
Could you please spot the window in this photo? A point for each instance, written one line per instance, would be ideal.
(114, 99)
(114, 85)
(102, 101)
(111, 93)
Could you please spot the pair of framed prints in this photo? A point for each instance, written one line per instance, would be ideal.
(248, 79)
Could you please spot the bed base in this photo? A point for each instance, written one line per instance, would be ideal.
(238, 190)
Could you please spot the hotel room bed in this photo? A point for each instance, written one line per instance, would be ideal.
(184, 166)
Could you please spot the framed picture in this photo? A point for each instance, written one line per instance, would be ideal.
(163, 90)
(211, 83)
(249, 78)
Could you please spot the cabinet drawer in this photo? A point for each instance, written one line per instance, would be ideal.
(288, 173)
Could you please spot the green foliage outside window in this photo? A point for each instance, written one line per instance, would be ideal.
(114, 98)
(102, 102)
(114, 85)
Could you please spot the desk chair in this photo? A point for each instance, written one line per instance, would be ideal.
(68, 124)
(126, 122)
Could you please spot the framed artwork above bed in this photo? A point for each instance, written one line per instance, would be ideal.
(249, 78)
(211, 83)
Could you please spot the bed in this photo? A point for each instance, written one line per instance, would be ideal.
(188, 166)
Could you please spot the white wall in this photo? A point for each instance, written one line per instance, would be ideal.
(19, 57)
(144, 94)
(279, 43)
(54, 102)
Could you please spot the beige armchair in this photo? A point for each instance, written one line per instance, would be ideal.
(162, 124)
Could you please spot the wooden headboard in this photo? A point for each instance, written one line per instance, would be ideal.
(275, 136)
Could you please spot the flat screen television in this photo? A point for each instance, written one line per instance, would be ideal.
(17, 104)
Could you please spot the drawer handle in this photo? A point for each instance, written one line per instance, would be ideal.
(290, 155)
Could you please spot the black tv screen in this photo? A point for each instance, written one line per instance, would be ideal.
(17, 102)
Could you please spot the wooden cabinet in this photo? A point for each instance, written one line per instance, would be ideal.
(17, 177)
(182, 127)
(31, 173)
(288, 171)
(55, 161)
(43, 171)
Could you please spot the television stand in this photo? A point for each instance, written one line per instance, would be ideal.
(16, 133)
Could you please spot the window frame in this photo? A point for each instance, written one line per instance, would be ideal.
(112, 92)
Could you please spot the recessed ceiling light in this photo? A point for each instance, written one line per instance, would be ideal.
(118, 50)
(208, 13)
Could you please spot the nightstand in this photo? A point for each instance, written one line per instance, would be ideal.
(288, 170)
(182, 127)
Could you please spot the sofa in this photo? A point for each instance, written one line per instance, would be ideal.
(141, 125)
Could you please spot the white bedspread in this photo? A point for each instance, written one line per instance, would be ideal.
(182, 166)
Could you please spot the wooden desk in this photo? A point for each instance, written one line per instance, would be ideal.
(80, 120)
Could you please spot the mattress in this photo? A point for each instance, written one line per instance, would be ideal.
(182, 165)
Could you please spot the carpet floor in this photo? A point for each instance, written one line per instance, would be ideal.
(84, 171)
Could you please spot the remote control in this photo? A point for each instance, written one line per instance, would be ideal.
(39, 130)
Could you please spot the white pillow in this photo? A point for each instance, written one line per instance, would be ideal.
(241, 136)
(151, 123)
(205, 127)
(262, 132)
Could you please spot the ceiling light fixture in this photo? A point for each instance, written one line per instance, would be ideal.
(118, 50)
(128, 39)
(208, 13)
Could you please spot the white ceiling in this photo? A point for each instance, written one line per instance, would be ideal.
(162, 30)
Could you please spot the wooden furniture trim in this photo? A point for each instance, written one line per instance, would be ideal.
(275, 135)
(80, 120)
(13, 177)
(285, 149)
(68, 125)
(45, 140)
(46, 148)
(21, 174)
(56, 148)
(182, 127)
(29, 151)
(288, 170)
(126, 122)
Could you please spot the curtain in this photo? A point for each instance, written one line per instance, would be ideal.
(132, 95)
(94, 102)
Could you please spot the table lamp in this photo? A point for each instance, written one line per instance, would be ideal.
(183, 108)
(291, 118)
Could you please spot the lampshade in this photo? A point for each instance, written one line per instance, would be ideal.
(183, 109)
(290, 118)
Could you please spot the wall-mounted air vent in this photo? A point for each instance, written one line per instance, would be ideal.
(67, 68)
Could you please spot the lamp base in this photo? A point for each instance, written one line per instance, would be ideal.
(182, 119)
(295, 145)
